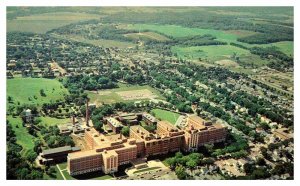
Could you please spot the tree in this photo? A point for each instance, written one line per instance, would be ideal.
(248, 168)
(42, 93)
(125, 131)
(10, 99)
(180, 172)
(191, 164)
(31, 156)
(51, 172)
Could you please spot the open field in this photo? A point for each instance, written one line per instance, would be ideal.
(179, 31)
(23, 89)
(226, 36)
(41, 23)
(147, 36)
(125, 93)
(212, 53)
(49, 121)
(99, 42)
(23, 137)
(166, 115)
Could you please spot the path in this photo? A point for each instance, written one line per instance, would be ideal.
(61, 172)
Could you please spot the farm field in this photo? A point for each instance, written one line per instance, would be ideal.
(23, 137)
(166, 115)
(23, 89)
(125, 93)
(41, 23)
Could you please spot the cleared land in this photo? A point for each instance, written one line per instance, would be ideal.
(125, 93)
(27, 90)
(166, 115)
(41, 23)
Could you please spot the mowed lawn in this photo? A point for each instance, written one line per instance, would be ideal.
(24, 90)
(111, 95)
(166, 115)
(49, 121)
(41, 23)
(23, 137)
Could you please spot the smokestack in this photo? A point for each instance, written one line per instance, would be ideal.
(73, 119)
(87, 112)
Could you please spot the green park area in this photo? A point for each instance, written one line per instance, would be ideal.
(125, 93)
(28, 90)
(165, 115)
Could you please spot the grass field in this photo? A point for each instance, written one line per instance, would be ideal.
(166, 115)
(147, 36)
(179, 31)
(226, 36)
(41, 23)
(49, 121)
(212, 53)
(23, 137)
(114, 95)
(99, 42)
(21, 89)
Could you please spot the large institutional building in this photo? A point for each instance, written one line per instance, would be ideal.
(107, 152)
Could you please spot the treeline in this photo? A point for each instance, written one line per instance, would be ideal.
(81, 82)
(198, 40)
(209, 20)
(283, 61)
(265, 38)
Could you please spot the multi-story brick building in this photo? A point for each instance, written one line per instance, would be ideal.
(107, 152)
(199, 132)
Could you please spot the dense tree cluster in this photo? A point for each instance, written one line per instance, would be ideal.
(19, 167)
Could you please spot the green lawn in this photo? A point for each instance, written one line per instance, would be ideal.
(111, 96)
(48, 121)
(23, 137)
(23, 89)
(166, 115)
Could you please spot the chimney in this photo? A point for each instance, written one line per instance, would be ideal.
(73, 120)
(87, 112)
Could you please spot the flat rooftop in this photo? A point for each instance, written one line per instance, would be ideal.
(114, 122)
